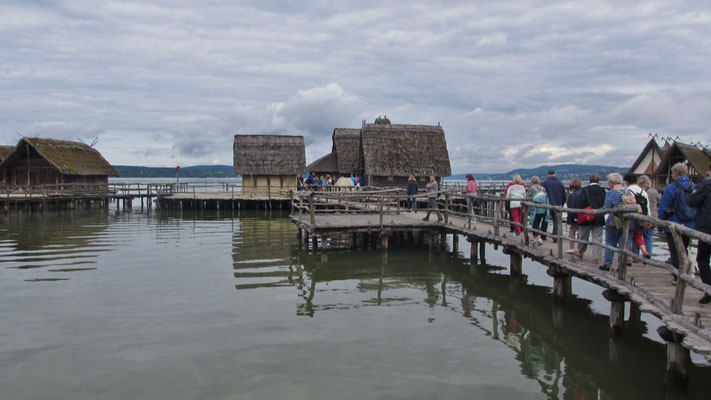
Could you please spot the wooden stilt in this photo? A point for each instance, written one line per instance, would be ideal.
(678, 359)
(617, 311)
(516, 263)
(455, 243)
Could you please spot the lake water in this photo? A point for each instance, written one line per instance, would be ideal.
(100, 304)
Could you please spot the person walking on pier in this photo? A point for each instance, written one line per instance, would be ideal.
(556, 197)
(470, 192)
(411, 193)
(432, 188)
(574, 201)
(701, 200)
(592, 196)
(516, 192)
(613, 232)
(672, 209)
(638, 196)
(654, 197)
(538, 215)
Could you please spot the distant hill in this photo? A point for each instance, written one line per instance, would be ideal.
(564, 171)
(197, 171)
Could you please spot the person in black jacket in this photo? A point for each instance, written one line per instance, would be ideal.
(592, 196)
(701, 200)
(411, 192)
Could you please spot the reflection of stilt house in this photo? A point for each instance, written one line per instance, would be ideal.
(387, 154)
(38, 161)
(656, 162)
(269, 164)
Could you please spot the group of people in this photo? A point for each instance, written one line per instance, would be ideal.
(682, 203)
(328, 182)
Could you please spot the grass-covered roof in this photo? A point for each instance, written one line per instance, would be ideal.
(69, 158)
(269, 155)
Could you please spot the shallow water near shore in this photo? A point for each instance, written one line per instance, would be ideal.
(162, 305)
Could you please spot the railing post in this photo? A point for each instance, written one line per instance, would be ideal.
(381, 212)
(684, 265)
(559, 228)
(301, 208)
(446, 208)
(524, 224)
(311, 210)
(622, 262)
(497, 207)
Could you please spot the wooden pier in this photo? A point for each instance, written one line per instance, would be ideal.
(378, 219)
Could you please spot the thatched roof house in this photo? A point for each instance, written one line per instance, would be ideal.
(344, 158)
(649, 159)
(269, 164)
(5, 151)
(697, 159)
(38, 161)
(392, 152)
(387, 154)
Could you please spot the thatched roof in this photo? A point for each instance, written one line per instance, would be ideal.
(698, 159)
(325, 164)
(649, 155)
(269, 155)
(69, 158)
(403, 150)
(346, 145)
(5, 151)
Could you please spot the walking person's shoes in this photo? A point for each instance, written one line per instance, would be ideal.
(425, 219)
(604, 267)
(577, 254)
(595, 260)
(570, 251)
(706, 299)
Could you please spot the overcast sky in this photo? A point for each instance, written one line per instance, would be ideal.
(514, 84)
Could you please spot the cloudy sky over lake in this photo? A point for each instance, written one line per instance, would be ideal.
(514, 84)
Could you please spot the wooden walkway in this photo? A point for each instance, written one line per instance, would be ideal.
(649, 286)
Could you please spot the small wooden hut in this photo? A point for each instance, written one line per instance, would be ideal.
(697, 159)
(39, 161)
(391, 153)
(269, 164)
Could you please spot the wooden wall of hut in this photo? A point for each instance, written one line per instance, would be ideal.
(268, 185)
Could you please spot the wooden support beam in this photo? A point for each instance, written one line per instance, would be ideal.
(474, 254)
(482, 251)
(443, 241)
(516, 263)
(455, 243)
(678, 359)
(384, 241)
(617, 317)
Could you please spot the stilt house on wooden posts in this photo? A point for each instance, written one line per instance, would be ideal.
(344, 158)
(391, 153)
(269, 164)
(39, 161)
(649, 160)
(387, 154)
(697, 160)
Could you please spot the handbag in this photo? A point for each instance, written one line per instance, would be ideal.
(585, 218)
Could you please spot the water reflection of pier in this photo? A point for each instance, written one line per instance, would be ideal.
(564, 347)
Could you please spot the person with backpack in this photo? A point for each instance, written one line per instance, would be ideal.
(700, 199)
(556, 197)
(674, 208)
(538, 215)
(574, 201)
(654, 198)
(637, 196)
(592, 196)
(613, 232)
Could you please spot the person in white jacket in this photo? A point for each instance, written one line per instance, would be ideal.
(516, 191)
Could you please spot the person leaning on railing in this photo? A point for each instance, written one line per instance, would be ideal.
(701, 200)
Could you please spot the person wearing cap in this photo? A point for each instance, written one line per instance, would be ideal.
(556, 197)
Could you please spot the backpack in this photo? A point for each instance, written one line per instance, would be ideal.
(642, 201)
(583, 218)
(682, 210)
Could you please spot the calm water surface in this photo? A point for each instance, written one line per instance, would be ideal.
(106, 305)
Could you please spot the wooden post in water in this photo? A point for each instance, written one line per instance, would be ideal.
(516, 263)
(455, 243)
(473, 254)
(311, 210)
(617, 311)
(482, 251)
(561, 284)
(443, 241)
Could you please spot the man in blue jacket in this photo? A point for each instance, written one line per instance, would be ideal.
(669, 205)
(701, 200)
(556, 197)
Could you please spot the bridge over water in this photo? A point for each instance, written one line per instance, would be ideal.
(378, 220)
